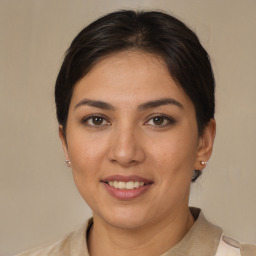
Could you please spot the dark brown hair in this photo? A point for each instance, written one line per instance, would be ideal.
(152, 32)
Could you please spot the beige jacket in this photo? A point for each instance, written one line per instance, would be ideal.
(203, 239)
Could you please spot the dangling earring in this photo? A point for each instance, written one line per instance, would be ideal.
(203, 163)
(68, 163)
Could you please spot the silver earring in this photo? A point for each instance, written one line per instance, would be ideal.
(68, 163)
(203, 162)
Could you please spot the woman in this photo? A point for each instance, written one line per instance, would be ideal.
(135, 104)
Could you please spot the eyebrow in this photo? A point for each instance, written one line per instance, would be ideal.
(143, 106)
(160, 102)
(95, 104)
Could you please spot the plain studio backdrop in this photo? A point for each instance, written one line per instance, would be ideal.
(38, 199)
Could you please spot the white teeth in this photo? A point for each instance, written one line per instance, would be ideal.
(136, 184)
(129, 185)
(126, 185)
(121, 185)
(115, 184)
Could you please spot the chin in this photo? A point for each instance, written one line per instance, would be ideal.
(124, 218)
(127, 223)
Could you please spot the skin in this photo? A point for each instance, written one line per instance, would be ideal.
(127, 140)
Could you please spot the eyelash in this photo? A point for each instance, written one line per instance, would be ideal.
(86, 120)
(168, 119)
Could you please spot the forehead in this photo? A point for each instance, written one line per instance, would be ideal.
(130, 76)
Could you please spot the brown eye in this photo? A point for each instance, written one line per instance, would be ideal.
(97, 120)
(94, 121)
(159, 120)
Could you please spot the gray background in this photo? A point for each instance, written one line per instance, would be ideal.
(38, 200)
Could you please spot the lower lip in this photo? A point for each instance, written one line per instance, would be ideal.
(126, 194)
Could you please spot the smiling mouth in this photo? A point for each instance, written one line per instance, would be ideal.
(126, 185)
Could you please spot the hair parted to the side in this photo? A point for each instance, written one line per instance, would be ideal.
(148, 31)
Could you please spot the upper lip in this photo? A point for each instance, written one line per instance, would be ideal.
(126, 178)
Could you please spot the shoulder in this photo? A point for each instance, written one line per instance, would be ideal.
(214, 241)
(248, 250)
(50, 249)
(228, 246)
(72, 244)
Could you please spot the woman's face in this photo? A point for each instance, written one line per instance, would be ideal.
(132, 140)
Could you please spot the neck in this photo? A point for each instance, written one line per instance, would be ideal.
(151, 240)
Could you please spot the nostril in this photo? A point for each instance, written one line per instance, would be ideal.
(126, 148)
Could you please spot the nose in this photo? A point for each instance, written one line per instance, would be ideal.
(126, 147)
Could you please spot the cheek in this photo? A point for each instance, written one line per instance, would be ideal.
(175, 149)
(86, 153)
(174, 157)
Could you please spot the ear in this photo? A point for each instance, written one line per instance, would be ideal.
(64, 142)
(205, 145)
